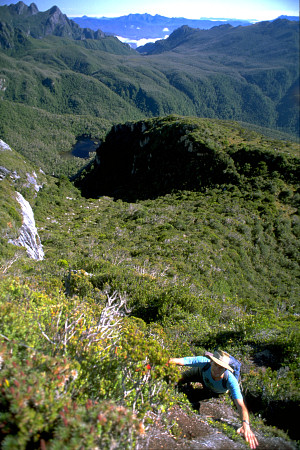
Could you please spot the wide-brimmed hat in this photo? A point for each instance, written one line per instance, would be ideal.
(221, 358)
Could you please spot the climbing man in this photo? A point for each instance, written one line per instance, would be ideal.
(216, 377)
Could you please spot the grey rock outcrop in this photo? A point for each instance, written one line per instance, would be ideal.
(22, 21)
(15, 173)
(21, 9)
(28, 237)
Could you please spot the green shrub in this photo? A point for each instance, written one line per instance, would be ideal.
(275, 395)
(37, 410)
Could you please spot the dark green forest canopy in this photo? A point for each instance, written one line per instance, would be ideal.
(157, 156)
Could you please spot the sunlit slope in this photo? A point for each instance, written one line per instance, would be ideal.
(247, 74)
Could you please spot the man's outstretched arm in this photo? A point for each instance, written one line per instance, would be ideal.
(245, 428)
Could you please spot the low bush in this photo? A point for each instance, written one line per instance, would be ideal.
(37, 409)
(84, 376)
(275, 394)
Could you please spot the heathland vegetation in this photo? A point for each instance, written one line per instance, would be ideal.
(126, 284)
(184, 238)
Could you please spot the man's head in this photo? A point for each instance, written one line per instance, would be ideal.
(221, 359)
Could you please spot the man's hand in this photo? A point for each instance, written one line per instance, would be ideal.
(178, 361)
(248, 435)
(245, 428)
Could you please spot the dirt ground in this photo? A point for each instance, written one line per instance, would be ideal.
(193, 430)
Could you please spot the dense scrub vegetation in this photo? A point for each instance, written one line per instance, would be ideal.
(126, 284)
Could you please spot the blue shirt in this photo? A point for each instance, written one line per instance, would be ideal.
(214, 385)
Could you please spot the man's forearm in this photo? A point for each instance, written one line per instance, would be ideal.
(242, 410)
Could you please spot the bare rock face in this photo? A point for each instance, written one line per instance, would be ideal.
(194, 430)
(31, 22)
(28, 237)
(33, 9)
(21, 9)
(17, 174)
(4, 146)
(56, 19)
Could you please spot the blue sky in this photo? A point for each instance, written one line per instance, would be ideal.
(194, 9)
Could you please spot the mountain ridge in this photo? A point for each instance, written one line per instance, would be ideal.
(22, 8)
(38, 24)
(208, 39)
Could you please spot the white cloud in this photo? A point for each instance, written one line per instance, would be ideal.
(138, 43)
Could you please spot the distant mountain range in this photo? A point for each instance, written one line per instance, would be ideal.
(228, 41)
(137, 29)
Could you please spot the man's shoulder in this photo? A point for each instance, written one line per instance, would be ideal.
(205, 359)
(230, 377)
(232, 382)
(234, 386)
